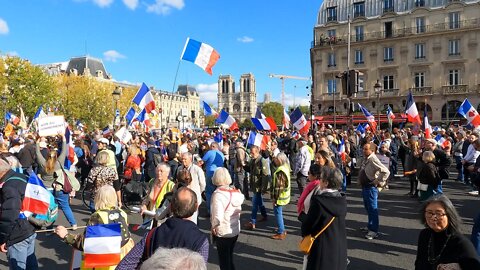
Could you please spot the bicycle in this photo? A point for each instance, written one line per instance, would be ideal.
(133, 194)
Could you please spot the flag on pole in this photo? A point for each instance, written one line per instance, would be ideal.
(227, 119)
(470, 113)
(258, 140)
(341, 150)
(144, 99)
(37, 197)
(40, 113)
(299, 121)
(286, 119)
(207, 110)
(361, 128)
(71, 148)
(264, 123)
(79, 125)
(411, 110)
(427, 126)
(259, 114)
(390, 114)
(201, 54)
(441, 140)
(106, 131)
(102, 245)
(370, 118)
(129, 116)
(12, 118)
(23, 122)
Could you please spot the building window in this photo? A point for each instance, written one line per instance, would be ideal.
(331, 60)
(361, 82)
(388, 6)
(419, 79)
(359, 33)
(358, 9)
(332, 86)
(420, 51)
(331, 33)
(388, 29)
(331, 14)
(388, 54)
(419, 3)
(420, 25)
(358, 57)
(454, 20)
(388, 82)
(454, 77)
(454, 47)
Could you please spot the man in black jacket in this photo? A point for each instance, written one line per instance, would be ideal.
(150, 163)
(27, 156)
(17, 235)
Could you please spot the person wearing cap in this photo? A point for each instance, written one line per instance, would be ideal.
(303, 160)
(103, 146)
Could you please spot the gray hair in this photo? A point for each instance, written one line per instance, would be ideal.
(283, 160)
(454, 220)
(332, 176)
(221, 177)
(164, 165)
(188, 154)
(175, 259)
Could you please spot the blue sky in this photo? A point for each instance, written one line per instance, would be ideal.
(141, 40)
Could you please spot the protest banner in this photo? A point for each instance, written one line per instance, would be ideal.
(124, 135)
(51, 125)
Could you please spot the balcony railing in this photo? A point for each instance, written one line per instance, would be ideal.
(362, 94)
(326, 95)
(388, 9)
(358, 14)
(455, 89)
(324, 40)
(422, 91)
(390, 92)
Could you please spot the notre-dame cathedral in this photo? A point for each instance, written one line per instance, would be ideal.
(242, 104)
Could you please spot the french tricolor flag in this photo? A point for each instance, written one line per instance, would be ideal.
(258, 140)
(264, 123)
(468, 111)
(441, 140)
(299, 121)
(37, 197)
(428, 127)
(144, 99)
(201, 54)
(71, 148)
(12, 118)
(411, 110)
(369, 116)
(207, 110)
(102, 245)
(341, 150)
(227, 119)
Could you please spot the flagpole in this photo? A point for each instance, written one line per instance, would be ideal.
(173, 88)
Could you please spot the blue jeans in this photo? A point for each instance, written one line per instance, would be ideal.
(475, 237)
(370, 198)
(459, 166)
(22, 254)
(344, 183)
(439, 189)
(209, 189)
(91, 206)
(257, 202)
(63, 201)
(277, 210)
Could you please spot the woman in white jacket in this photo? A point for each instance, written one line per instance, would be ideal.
(225, 209)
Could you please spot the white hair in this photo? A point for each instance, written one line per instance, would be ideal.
(175, 259)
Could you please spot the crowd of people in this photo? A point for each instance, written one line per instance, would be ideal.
(219, 168)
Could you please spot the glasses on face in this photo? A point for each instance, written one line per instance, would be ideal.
(430, 214)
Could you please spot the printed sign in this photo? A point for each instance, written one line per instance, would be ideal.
(384, 160)
(124, 135)
(51, 125)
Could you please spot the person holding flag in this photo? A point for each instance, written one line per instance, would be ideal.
(17, 235)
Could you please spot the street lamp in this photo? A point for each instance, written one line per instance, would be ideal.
(116, 97)
(378, 89)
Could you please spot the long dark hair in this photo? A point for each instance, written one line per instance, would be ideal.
(454, 220)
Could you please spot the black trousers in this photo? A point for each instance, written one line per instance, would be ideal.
(225, 251)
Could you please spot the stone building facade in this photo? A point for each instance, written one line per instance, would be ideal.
(241, 105)
(428, 47)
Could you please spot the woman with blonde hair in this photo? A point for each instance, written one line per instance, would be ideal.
(107, 212)
(225, 209)
(133, 164)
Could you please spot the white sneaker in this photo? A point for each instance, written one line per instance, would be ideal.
(74, 227)
(371, 235)
(364, 229)
(473, 193)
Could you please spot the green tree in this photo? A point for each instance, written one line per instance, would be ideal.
(274, 110)
(209, 121)
(247, 123)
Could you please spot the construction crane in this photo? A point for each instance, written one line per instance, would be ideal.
(283, 77)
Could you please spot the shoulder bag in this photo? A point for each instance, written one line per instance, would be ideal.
(307, 242)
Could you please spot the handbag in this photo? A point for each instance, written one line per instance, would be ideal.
(307, 242)
(67, 186)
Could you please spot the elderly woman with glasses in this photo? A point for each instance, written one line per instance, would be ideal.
(441, 245)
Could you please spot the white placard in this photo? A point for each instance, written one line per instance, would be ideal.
(384, 160)
(51, 125)
(123, 135)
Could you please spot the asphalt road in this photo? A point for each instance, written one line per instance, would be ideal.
(394, 249)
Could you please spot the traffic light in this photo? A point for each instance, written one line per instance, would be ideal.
(351, 82)
(193, 114)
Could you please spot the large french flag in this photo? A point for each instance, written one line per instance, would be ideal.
(102, 245)
(299, 121)
(37, 197)
(40, 113)
(369, 116)
(144, 98)
(286, 119)
(428, 127)
(207, 110)
(470, 113)
(227, 119)
(201, 54)
(411, 110)
(264, 123)
(258, 140)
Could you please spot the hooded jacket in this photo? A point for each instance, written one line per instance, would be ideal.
(226, 207)
(329, 251)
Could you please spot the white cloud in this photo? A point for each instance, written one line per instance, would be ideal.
(3, 27)
(245, 39)
(299, 100)
(163, 7)
(131, 4)
(112, 55)
(12, 53)
(208, 93)
(103, 3)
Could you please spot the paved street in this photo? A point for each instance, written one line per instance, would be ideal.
(395, 249)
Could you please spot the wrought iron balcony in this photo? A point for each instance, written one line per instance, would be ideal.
(390, 92)
(421, 91)
(455, 89)
(362, 94)
(324, 40)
